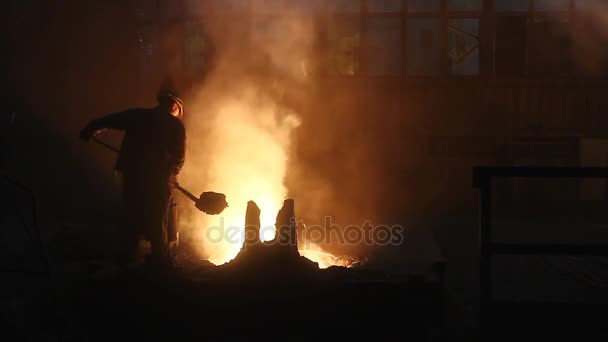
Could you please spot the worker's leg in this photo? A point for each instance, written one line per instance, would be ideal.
(159, 219)
(129, 226)
(172, 230)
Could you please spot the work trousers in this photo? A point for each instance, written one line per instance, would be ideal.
(146, 203)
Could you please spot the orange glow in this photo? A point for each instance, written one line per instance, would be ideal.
(249, 162)
(244, 155)
(325, 259)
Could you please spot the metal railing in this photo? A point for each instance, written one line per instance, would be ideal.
(482, 180)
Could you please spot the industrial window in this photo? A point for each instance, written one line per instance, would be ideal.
(463, 46)
(510, 37)
(463, 37)
(591, 5)
(384, 6)
(383, 36)
(532, 37)
(423, 47)
(464, 5)
(345, 6)
(344, 43)
(549, 46)
(425, 37)
(423, 6)
(301, 6)
(510, 45)
(511, 5)
(551, 5)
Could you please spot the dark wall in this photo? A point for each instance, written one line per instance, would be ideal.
(66, 62)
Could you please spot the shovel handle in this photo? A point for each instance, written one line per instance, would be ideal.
(187, 193)
(177, 186)
(105, 144)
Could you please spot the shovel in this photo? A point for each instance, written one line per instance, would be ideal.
(211, 203)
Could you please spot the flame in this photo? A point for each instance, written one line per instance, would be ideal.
(248, 162)
(324, 259)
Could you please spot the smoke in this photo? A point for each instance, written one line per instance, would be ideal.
(263, 127)
(240, 125)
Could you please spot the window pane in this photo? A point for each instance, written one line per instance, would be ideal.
(423, 5)
(587, 5)
(463, 46)
(549, 46)
(304, 6)
(344, 44)
(464, 5)
(510, 45)
(551, 5)
(511, 5)
(345, 6)
(384, 46)
(423, 53)
(384, 5)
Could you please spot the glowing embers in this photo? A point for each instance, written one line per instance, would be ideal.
(281, 252)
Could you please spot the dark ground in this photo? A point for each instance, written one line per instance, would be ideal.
(91, 301)
(206, 302)
(85, 299)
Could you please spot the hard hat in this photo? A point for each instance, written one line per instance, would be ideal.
(167, 91)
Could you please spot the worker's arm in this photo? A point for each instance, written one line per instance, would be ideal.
(118, 121)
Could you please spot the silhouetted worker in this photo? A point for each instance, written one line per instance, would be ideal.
(151, 157)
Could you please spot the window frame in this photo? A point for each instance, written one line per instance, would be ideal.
(530, 15)
(487, 24)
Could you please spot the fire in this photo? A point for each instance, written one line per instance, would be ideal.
(245, 153)
(324, 259)
(248, 162)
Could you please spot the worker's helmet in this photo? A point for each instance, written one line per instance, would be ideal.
(167, 92)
